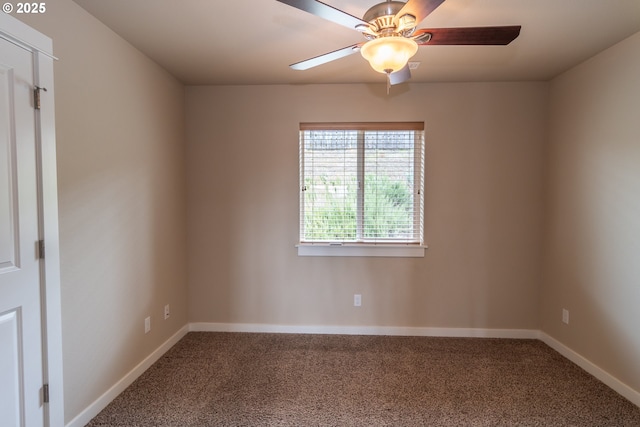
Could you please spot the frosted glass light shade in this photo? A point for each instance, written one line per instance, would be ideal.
(389, 54)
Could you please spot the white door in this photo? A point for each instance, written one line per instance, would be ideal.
(21, 339)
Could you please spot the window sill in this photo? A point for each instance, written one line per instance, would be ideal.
(361, 250)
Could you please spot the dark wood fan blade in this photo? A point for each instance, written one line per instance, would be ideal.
(419, 8)
(400, 76)
(470, 35)
(325, 11)
(327, 57)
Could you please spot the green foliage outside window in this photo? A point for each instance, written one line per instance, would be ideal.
(388, 209)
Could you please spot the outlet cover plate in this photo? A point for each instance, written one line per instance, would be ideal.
(357, 300)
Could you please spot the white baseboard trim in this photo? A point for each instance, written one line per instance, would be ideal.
(98, 405)
(366, 330)
(612, 382)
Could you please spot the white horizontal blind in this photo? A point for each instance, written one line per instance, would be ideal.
(361, 182)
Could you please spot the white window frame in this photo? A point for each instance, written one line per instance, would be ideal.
(362, 247)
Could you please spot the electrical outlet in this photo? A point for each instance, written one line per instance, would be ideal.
(167, 313)
(147, 325)
(565, 316)
(357, 300)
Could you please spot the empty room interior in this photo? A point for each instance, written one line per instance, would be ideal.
(178, 128)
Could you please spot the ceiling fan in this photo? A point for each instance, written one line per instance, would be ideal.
(391, 37)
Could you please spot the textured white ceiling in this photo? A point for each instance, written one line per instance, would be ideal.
(206, 42)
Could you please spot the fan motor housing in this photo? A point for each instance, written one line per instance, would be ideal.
(381, 15)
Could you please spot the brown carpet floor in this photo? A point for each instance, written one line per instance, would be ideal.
(233, 379)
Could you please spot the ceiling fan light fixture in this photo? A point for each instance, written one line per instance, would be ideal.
(389, 54)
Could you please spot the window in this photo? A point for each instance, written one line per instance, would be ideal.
(361, 189)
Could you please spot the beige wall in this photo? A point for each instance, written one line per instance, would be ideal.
(120, 134)
(593, 217)
(485, 145)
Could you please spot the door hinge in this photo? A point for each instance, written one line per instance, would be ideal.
(41, 249)
(36, 96)
(45, 393)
